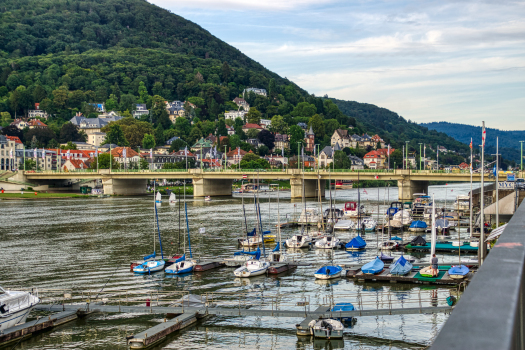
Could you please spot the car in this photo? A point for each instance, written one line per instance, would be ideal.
(520, 184)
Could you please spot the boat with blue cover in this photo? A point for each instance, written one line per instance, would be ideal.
(150, 266)
(357, 243)
(328, 272)
(373, 267)
(458, 271)
(386, 258)
(418, 226)
(344, 307)
(401, 267)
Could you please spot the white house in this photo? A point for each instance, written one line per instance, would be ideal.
(234, 115)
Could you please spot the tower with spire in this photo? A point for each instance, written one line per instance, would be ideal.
(309, 139)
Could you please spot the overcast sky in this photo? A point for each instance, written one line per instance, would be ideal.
(428, 61)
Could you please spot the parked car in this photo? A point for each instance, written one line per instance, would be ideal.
(520, 184)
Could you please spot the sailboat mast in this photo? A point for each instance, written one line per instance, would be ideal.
(188, 227)
(158, 230)
(154, 211)
(279, 218)
(358, 206)
(320, 199)
(471, 171)
(178, 238)
(433, 230)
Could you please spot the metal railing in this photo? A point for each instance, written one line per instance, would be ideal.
(491, 312)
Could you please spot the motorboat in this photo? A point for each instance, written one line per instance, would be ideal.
(386, 258)
(15, 306)
(352, 210)
(252, 268)
(345, 225)
(328, 242)
(418, 226)
(394, 208)
(357, 243)
(332, 215)
(172, 199)
(181, 267)
(373, 267)
(328, 272)
(309, 216)
(400, 267)
(150, 266)
(427, 213)
(299, 241)
(421, 202)
(207, 199)
(390, 245)
(394, 224)
(442, 226)
(327, 328)
(370, 224)
(404, 216)
(458, 271)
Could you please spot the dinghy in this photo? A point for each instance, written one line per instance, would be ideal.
(386, 258)
(344, 307)
(426, 271)
(207, 199)
(373, 267)
(252, 268)
(474, 244)
(458, 272)
(357, 243)
(418, 226)
(327, 328)
(158, 198)
(390, 245)
(328, 242)
(328, 272)
(401, 267)
(299, 241)
(173, 199)
(150, 266)
(14, 307)
(345, 225)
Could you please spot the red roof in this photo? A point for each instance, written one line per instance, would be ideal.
(118, 152)
(251, 126)
(212, 162)
(35, 122)
(14, 138)
(78, 164)
(236, 152)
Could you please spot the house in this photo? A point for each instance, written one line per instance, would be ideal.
(211, 163)
(111, 114)
(36, 124)
(240, 102)
(377, 159)
(37, 112)
(257, 91)
(8, 147)
(326, 157)
(106, 147)
(74, 164)
(265, 123)
(276, 161)
(463, 166)
(99, 107)
(125, 155)
(303, 126)
(281, 142)
(92, 125)
(231, 130)
(249, 126)
(80, 145)
(235, 114)
(184, 154)
(341, 138)
(309, 139)
(212, 138)
(442, 149)
(96, 138)
(20, 123)
(170, 141)
(307, 160)
(357, 163)
(376, 139)
(255, 143)
(202, 143)
(235, 156)
(140, 110)
(159, 160)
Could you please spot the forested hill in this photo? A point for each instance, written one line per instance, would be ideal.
(509, 141)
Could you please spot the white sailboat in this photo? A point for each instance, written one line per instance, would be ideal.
(158, 198)
(299, 241)
(173, 198)
(14, 307)
(328, 242)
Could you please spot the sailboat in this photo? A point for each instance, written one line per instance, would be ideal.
(401, 267)
(328, 272)
(182, 265)
(276, 256)
(328, 242)
(240, 257)
(357, 243)
(173, 199)
(158, 198)
(458, 271)
(151, 264)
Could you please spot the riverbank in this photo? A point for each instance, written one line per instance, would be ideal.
(41, 195)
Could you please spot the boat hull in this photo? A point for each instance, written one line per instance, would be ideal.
(322, 276)
(323, 334)
(417, 229)
(15, 318)
(250, 273)
(144, 270)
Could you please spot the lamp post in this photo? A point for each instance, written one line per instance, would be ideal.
(298, 152)
(316, 152)
(420, 159)
(521, 167)
(406, 150)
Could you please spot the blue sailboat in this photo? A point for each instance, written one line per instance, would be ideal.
(418, 226)
(373, 267)
(182, 265)
(328, 272)
(401, 267)
(458, 271)
(357, 243)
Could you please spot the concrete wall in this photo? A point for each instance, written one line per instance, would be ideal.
(124, 187)
(213, 188)
(310, 188)
(407, 188)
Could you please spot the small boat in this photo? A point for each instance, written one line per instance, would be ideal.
(328, 242)
(418, 241)
(239, 258)
(14, 307)
(418, 226)
(458, 271)
(158, 198)
(332, 214)
(351, 210)
(370, 224)
(299, 241)
(328, 272)
(207, 199)
(173, 199)
(344, 307)
(457, 244)
(474, 244)
(386, 258)
(401, 267)
(390, 245)
(254, 240)
(442, 226)
(309, 216)
(275, 256)
(252, 268)
(394, 224)
(396, 238)
(357, 243)
(327, 328)
(345, 225)
(150, 266)
(426, 271)
(373, 267)
(403, 216)
(181, 267)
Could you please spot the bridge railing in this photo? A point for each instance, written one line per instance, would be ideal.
(491, 313)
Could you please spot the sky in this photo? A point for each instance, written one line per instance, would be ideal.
(456, 61)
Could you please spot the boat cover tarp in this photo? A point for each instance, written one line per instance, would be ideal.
(258, 251)
(373, 266)
(329, 270)
(357, 243)
(442, 223)
(418, 224)
(251, 234)
(430, 279)
(458, 270)
(276, 249)
(396, 238)
(343, 307)
(400, 267)
(384, 257)
(418, 241)
(150, 256)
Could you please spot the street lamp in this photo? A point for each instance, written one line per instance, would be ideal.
(521, 167)
(420, 159)
(406, 150)
(298, 151)
(316, 152)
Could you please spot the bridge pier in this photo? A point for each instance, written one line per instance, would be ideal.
(213, 188)
(310, 188)
(125, 187)
(407, 188)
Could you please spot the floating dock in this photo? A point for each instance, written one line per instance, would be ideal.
(447, 247)
(412, 277)
(278, 268)
(302, 328)
(208, 265)
(45, 323)
(158, 333)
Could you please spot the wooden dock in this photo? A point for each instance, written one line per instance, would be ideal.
(158, 333)
(42, 324)
(412, 277)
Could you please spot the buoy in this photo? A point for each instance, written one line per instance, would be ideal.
(35, 193)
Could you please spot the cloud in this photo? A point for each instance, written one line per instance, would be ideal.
(240, 5)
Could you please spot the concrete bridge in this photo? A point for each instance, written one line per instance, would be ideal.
(219, 182)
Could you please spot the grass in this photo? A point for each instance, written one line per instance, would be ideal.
(175, 189)
(31, 195)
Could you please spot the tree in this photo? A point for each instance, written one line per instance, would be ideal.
(159, 114)
(278, 125)
(143, 93)
(304, 109)
(195, 134)
(70, 132)
(252, 133)
(221, 128)
(159, 135)
(103, 162)
(69, 145)
(341, 160)
(296, 135)
(148, 141)
(253, 161)
(5, 118)
(263, 150)
(177, 145)
(176, 165)
(396, 159)
(115, 135)
(60, 97)
(267, 138)
(317, 124)
(330, 126)
(225, 72)
(30, 164)
(253, 116)
(41, 135)
(12, 130)
(235, 141)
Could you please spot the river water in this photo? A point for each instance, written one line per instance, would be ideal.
(88, 244)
